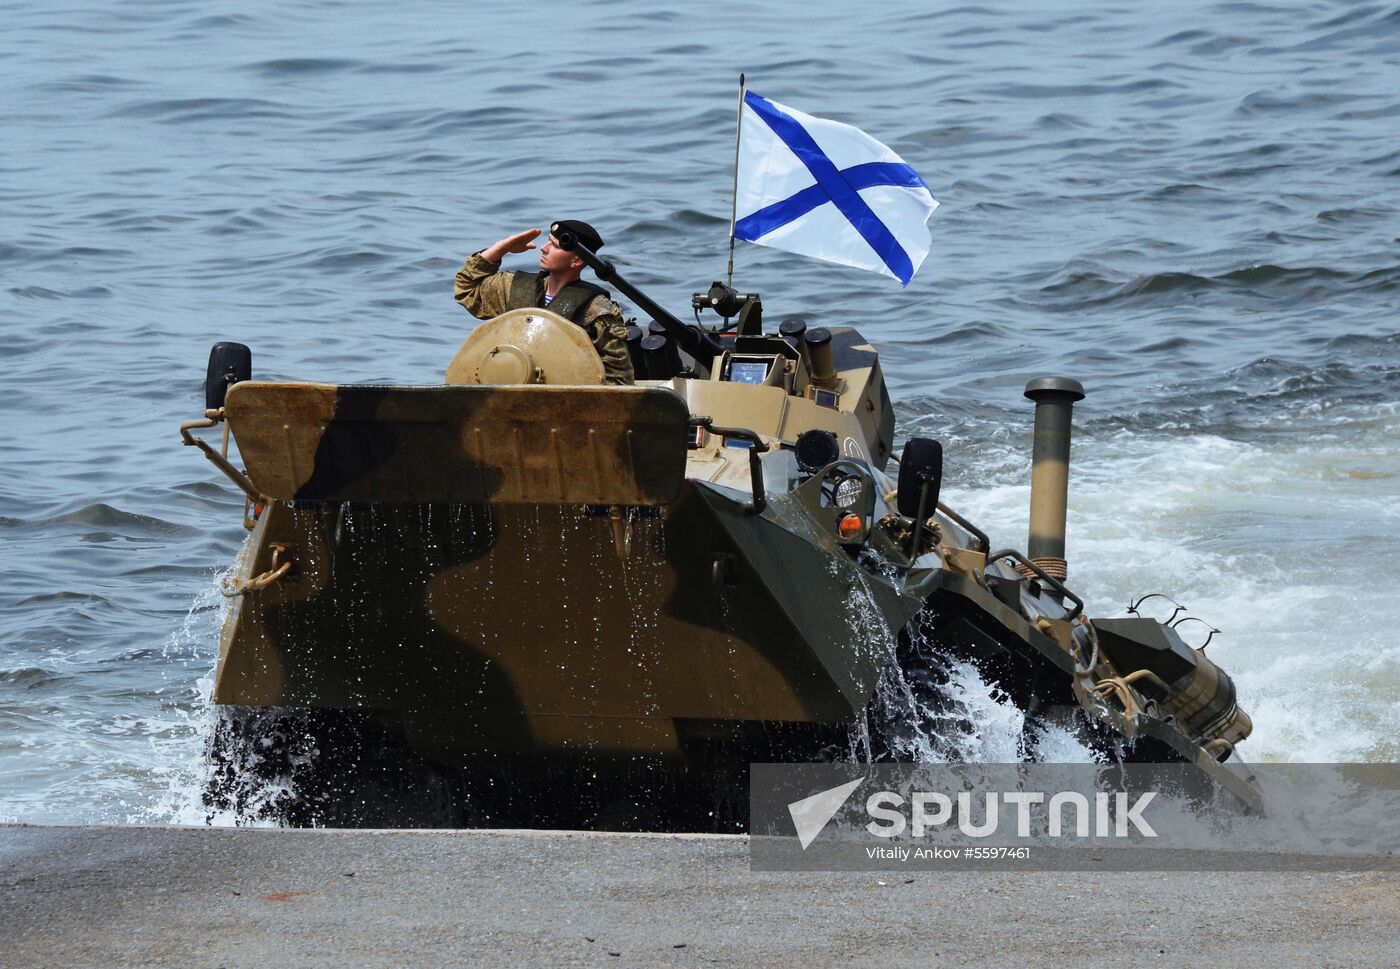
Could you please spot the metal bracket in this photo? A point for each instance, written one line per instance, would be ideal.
(1213, 630)
(219, 460)
(968, 527)
(760, 498)
(1045, 577)
(237, 587)
(1133, 606)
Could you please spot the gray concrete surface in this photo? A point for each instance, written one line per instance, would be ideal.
(241, 897)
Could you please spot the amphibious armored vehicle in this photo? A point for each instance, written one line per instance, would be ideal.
(533, 588)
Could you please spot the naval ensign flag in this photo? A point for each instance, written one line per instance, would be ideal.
(830, 191)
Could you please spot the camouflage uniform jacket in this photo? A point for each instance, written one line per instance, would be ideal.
(484, 292)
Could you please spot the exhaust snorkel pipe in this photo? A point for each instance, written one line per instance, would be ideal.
(700, 345)
(1054, 404)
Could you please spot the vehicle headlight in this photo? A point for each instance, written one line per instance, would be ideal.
(848, 492)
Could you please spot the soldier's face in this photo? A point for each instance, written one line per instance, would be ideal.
(554, 259)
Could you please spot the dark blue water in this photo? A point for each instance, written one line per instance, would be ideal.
(1190, 207)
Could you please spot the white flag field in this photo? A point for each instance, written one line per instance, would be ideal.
(828, 190)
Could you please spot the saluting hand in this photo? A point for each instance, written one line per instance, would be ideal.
(519, 242)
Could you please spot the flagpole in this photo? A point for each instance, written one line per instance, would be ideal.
(734, 204)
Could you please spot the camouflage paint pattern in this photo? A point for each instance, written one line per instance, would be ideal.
(460, 444)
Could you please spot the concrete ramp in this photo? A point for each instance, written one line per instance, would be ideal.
(259, 897)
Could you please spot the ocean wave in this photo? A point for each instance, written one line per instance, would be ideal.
(87, 84)
(64, 597)
(1081, 288)
(221, 21)
(292, 66)
(31, 677)
(431, 122)
(106, 516)
(1352, 392)
(186, 110)
(1271, 102)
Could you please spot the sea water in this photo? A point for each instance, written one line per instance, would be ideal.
(1192, 208)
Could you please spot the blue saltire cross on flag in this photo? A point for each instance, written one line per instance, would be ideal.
(830, 191)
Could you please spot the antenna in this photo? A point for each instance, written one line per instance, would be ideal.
(734, 204)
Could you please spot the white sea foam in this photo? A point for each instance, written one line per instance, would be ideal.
(178, 737)
(1285, 545)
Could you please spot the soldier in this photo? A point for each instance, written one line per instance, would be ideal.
(484, 291)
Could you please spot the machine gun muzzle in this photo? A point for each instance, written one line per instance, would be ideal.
(692, 339)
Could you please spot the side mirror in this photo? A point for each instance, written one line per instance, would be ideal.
(921, 463)
(228, 364)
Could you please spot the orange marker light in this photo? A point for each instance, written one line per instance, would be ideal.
(849, 526)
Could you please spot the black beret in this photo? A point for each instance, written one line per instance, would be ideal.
(584, 232)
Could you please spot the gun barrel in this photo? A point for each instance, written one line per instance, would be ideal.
(700, 345)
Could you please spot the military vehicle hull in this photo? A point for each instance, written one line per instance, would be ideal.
(538, 627)
(530, 590)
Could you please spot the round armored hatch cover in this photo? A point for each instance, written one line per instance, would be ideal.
(527, 341)
(506, 364)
